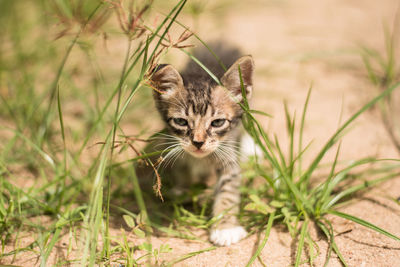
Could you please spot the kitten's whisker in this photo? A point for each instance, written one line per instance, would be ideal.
(169, 142)
(164, 140)
(166, 137)
(169, 156)
(234, 147)
(231, 158)
(230, 150)
(230, 147)
(218, 157)
(171, 148)
(176, 156)
(169, 135)
(222, 158)
(163, 137)
(214, 155)
(230, 141)
(166, 143)
(225, 152)
(181, 152)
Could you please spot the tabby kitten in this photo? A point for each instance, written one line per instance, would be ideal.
(203, 131)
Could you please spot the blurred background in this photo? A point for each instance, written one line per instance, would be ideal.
(295, 45)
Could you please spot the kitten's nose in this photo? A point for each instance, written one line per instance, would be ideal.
(197, 144)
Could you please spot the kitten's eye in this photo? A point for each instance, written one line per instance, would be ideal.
(218, 122)
(180, 121)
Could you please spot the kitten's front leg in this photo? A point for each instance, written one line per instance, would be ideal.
(227, 230)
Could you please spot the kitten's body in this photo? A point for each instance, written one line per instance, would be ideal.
(203, 121)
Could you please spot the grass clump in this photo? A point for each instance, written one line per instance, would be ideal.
(292, 198)
(383, 70)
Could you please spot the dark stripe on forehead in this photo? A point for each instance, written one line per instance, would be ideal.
(187, 109)
(199, 95)
(209, 91)
(190, 105)
(198, 105)
(203, 108)
(199, 108)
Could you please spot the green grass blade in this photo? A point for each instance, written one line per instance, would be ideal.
(371, 73)
(312, 245)
(93, 217)
(341, 175)
(189, 255)
(65, 152)
(325, 193)
(338, 133)
(363, 223)
(301, 243)
(50, 247)
(139, 197)
(328, 231)
(290, 125)
(280, 153)
(259, 112)
(106, 247)
(40, 151)
(333, 200)
(61, 120)
(264, 242)
(301, 130)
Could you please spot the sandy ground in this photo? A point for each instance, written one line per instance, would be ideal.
(296, 44)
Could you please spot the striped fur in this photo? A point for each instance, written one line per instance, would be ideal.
(202, 135)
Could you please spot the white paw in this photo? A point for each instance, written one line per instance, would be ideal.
(227, 236)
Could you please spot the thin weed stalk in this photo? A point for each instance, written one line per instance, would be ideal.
(54, 86)
(106, 247)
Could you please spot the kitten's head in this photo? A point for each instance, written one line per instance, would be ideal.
(201, 114)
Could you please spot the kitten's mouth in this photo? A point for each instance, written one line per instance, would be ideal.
(199, 153)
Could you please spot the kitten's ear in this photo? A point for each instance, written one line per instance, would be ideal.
(231, 78)
(166, 80)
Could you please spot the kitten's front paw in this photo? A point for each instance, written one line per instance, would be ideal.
(227, 236)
